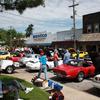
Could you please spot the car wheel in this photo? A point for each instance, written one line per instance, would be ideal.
(7, 58)
(80, 76)
(89, 73)
(9, 69)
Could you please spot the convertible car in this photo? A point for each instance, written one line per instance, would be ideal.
(75, 69)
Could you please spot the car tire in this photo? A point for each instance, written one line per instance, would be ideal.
(9, 69)
(7, 58)
(80, 76)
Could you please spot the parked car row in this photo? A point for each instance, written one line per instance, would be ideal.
(30, 62)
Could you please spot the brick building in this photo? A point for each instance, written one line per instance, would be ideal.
(90, 39)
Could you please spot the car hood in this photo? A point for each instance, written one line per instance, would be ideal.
(64, 67)
(97, 75)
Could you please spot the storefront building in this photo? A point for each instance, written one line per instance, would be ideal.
(90, 39)
(41, 39)
(65, 39)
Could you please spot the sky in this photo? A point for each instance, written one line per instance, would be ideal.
(54, 17)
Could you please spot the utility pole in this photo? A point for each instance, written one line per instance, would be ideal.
(74, 25)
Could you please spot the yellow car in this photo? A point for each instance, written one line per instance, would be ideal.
(82, 54)
(4, 55)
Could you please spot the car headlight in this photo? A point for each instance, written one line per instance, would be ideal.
(97, 78)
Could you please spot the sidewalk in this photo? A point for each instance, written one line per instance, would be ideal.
(73, 94)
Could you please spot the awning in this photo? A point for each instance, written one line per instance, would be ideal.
(40, 44)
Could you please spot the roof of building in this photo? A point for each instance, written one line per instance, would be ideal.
(90, 37)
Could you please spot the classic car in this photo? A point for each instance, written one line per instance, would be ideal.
(4, 55)
(29, 57)
(96, 81)
(7, 66)
(82, 54)
(16, 58)
(75, 69)
(35, 65)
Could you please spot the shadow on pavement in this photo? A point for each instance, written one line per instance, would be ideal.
(32, 71)
(93, 91)
(63, 80)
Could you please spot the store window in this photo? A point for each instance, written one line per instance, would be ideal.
(98, 48)
(89, 29)
(96, 28)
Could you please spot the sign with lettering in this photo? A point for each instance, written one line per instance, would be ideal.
(39, 37)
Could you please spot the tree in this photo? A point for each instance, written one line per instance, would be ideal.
(11, 37)
(19, 40)
(20, 5)
(29, 30)
(2, 36)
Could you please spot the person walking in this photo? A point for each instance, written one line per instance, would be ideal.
(43, 66)
(56, 58)
(66, 57)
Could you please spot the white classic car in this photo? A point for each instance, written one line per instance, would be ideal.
(96, 81)
(8, 66)
(35, 65)
(29, 57)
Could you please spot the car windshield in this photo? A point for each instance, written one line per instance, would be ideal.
(81, 51)
(3, 53)
(28, 56)
(75, 63)
(31, 56)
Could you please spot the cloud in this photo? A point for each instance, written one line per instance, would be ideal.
(55, 16)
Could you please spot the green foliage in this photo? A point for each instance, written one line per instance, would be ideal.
(35, 94)
(21, 5)
(29, 30)
(9, 36)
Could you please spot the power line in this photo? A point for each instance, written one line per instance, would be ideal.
(9, 19)
(40, 23)
(15, 18)
(27, 18)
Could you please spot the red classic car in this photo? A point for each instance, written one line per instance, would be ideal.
(78, 69)
(17, 57)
